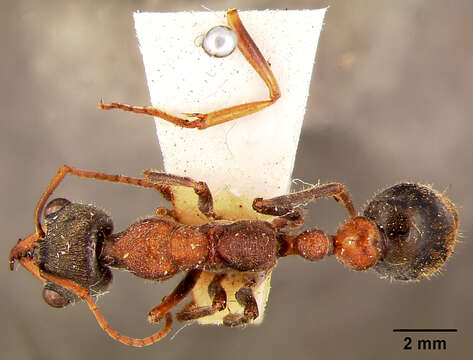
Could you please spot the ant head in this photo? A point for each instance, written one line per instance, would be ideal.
(419, 226)
(71, 249)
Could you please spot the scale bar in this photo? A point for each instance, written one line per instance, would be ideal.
(426, 330)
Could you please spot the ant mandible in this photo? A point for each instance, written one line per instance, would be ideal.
(407, 232)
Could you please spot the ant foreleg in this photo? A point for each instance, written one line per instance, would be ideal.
(180, 292)
(253, 55)
(206, 205)
(285, 204)
(219, 302)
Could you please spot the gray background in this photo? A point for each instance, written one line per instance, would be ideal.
(390, 101)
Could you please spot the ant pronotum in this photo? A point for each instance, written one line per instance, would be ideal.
(406, 233)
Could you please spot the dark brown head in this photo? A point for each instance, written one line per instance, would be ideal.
(70, 250)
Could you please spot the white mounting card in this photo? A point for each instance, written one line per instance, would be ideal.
(253, 155)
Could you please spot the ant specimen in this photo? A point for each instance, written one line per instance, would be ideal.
(407, 232)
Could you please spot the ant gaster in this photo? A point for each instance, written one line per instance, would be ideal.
(407, 232)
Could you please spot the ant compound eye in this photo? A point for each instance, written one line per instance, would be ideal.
(55, 205)
(54, 299)
(419, 227)
(56, 296)
(220, 41)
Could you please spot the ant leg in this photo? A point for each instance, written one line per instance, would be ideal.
(180, 292)
(200, 188)
(246, 299)
(285, 204)
(289, 223)
(84, 294)
(64, 170)
(162, 211)
(250, 51)
(219, 302)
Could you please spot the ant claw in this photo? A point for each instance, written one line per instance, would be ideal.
(419, 226)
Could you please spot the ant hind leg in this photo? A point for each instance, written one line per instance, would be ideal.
(180, 292)
(219, 302)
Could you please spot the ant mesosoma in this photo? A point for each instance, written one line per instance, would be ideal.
(407, 233)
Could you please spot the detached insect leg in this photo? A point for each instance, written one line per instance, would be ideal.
(180, 292)
(64, 170)
(253, 55)
(285, 204)
(202, 190)
(219, 302)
